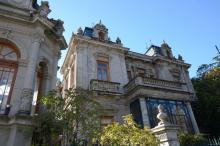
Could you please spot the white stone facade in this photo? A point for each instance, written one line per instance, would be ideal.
(119, 77)
(38, 42)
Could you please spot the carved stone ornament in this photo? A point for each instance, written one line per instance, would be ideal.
(59, 27)
(44, 9)
(26, 101)
(80, 31)
(102, 56)
(180, 57)
(162, 116)
(118, 40)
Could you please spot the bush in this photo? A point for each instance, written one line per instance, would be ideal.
(187, 139)
(127, 134)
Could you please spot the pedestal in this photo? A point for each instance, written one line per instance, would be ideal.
(16, 130)
(167, 134)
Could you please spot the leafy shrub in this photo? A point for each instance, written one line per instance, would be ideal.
(187, 139)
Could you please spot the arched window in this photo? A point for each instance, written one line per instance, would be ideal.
(9, 56)
(40, 83)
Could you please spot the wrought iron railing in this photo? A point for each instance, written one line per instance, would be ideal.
(105, 86)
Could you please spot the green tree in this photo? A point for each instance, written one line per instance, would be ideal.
(207, 107)
(127, 134)
(75, 117)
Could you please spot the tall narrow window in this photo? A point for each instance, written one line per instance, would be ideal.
(40, 84)
(101, 36)
(8, 68)
(102, 70)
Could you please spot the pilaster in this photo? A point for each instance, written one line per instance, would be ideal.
(144, 112)
(27, 92)
(194, 123)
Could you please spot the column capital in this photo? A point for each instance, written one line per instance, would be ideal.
(38, 38)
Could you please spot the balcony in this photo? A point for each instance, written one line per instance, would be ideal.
(106, 86)
(155, 83)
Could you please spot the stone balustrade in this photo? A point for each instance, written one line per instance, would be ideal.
(105, 86)
(156, 83)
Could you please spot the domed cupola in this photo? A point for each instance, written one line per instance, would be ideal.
(100, 32)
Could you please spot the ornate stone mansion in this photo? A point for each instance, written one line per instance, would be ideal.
(123, 81)
(128, 82)
(30, 45)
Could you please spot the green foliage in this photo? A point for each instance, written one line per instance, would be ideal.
(128, 133)
(187, 139)
(75, 116)
(207, 108)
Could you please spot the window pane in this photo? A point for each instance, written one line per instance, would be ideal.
(102, 71)
(6, 77)
(99, 74)
(8, 53)
(104, 75)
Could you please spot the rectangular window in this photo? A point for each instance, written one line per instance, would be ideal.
(135, 110)
(105, 120)
(102, 70)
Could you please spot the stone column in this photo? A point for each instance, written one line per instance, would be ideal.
(27, 92)
(192, 117)
(54, 72)
(69, 77)
(144, 112)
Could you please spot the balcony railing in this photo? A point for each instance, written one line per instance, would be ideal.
(156, 83)
(105, 86)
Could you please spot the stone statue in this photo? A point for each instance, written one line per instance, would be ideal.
(118, 40)
(59, 27)
(59, 88)
(44, 9)
(162, 116)
(180, 57)
(80, 31)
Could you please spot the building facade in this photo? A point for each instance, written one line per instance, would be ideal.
(30, 45)
(127, 82)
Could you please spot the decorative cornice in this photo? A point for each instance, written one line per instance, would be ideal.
(61, 40)
(95, 42)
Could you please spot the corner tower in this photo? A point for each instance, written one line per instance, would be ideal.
(30, 47)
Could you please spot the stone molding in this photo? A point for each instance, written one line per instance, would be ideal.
(26, 100)
(38, 38)
(167, 134)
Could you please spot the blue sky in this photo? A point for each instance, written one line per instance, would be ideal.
(190, 27)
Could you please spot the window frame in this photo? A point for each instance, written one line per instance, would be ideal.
(9, 64)
(108, 70)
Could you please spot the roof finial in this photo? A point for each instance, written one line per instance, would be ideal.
(151, 43)
(100, 21)
(164, 41)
